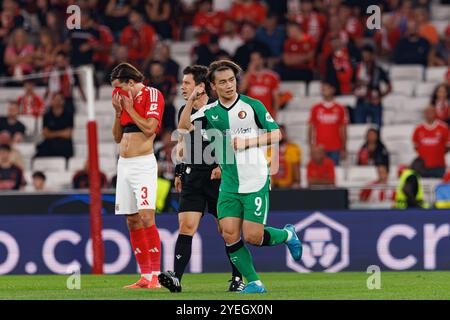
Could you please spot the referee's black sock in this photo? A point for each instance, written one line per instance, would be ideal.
(235, 272)
(183, 249)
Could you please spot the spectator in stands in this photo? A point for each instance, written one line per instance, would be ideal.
(367, 87)
(30, 103)
(61, 80)
(440, 100)
(15, 156)
(39, 179)
(230, 40)
(261, 83)
(387, 37)
(312, 22)
(252, 11)
(45, 53)
(298, 54)
(166, 167)
(373, 151)
(82, 42)
(350, 22)
(440, 55)
(425, 28)
(412, 48)
(287, 161)
(168, 87)
(159, 13)
(432, 141)
(273, 35)
(116, 15)
(163, 55)
(19, 55)
(328, 125)
(207, 22)
(81, 180)
(140, 38)
(102, 51)
(251, 44)
(339, 69)
(57, 130)
(204, 54)
(378, 191)
(11, 176)
(320, 169)
(11, 124)
(54, 22)
(409, 193)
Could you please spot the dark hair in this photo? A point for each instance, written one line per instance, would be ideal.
(125, 72)
(222, 65)
(434, 95)
(368, 48)
(199, 73)
(39, 174)
(5, 147)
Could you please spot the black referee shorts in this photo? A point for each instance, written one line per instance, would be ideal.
(199, 191)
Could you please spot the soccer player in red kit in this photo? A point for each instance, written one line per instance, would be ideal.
(261, 83)
(139, 111)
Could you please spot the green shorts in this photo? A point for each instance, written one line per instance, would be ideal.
(247, 206)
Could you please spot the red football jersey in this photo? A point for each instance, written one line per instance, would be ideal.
(314, 24)
(302, 46)
(211, 22)
(254, 12)
(327, 118)
(321, 171)
(431, 142)
(31, 105)
(261, 86)
(149, 103)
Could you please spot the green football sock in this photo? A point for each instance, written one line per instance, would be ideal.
(273, 236)
(242, 259)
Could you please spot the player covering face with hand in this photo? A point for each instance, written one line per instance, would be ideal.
(241, 126)
(139, 110)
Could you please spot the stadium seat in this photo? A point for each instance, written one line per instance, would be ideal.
(110, 150)
(59, 180)
(416, 104)
(298, 132)
(346, 100)
(31, 124)
(357, 131)
(425, 89)
(314, 89)
(76, 164)
(397, 132)
(440, 12)
(81, 121)
(182, 47)
(80, 150)
(289, 117)
(389, 117)
(440, 25)
(362, 174)
(26, 149)
(410, 72)
(49, 164)
(108, 165)
(403, 87)
(339, 174)
(435, 74)
(183, 60)
(393, 102)
(80, 135)
(297, 88)
(354, 145)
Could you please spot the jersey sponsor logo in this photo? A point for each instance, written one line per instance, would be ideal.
(269, 117)
(153, 106)
(238, 131)
(242, 114)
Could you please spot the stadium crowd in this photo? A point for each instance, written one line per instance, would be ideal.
(274, 41)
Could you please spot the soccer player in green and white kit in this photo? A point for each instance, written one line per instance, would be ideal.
(240, 127)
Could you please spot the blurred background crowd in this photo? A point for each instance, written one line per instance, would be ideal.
(357, 104)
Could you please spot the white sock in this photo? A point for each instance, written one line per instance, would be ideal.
(147, 276)
(290, 235)
(258, 282)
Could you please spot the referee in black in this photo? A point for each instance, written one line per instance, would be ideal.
(199, 184)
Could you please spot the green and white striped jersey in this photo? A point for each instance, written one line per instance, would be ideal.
(243, 171)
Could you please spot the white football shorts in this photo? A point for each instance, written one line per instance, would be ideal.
(137, 180)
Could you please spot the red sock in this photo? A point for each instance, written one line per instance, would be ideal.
(154, 245)
(140, 248)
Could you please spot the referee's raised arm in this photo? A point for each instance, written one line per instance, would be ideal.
(185, 117)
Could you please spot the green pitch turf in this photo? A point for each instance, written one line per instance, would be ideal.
(286, 286)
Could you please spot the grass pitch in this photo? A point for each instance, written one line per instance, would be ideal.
(285, 286)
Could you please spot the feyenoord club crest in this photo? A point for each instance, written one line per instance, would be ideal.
(242, 114)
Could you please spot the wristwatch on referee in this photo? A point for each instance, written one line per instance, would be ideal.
(180, 169)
